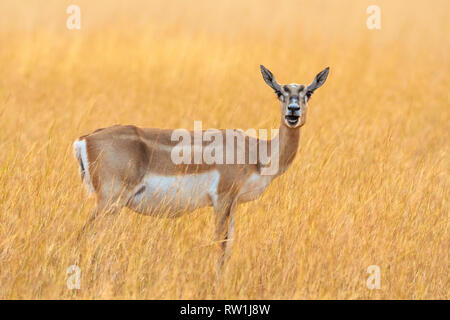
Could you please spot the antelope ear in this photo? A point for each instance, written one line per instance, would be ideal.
(270, 80)
(319, 80)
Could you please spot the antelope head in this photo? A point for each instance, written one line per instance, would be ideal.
(294, 97)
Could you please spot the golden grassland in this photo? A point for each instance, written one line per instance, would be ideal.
(369, 185)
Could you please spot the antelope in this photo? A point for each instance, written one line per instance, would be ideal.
(127, 166)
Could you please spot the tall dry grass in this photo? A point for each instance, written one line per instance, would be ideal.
(369, 185)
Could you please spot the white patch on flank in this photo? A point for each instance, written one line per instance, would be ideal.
(79, 147)
(176, 194)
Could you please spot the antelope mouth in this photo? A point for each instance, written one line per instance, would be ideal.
(292, 120)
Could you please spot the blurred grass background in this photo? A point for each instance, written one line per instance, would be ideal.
(369, 185)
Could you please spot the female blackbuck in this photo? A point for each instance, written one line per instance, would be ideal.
(126, 166)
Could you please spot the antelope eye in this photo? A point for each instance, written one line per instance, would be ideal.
(308, 94)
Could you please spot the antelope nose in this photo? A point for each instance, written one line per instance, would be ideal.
(293, 107)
